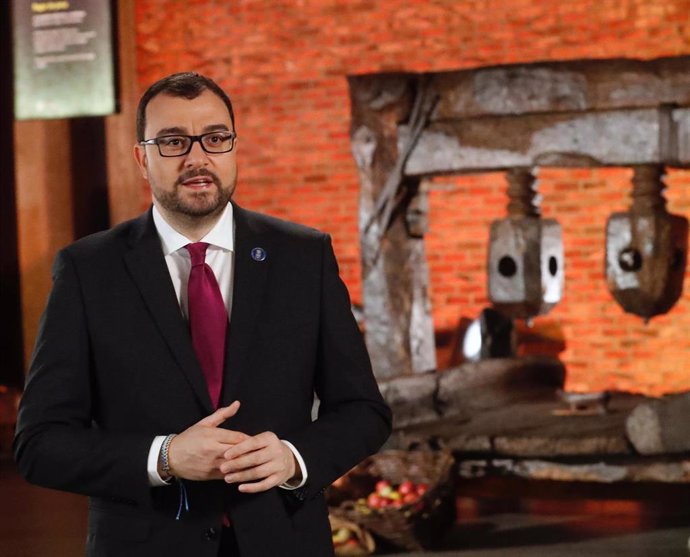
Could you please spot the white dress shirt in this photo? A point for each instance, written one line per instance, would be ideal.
(220, 257)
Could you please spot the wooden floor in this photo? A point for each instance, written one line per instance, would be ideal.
(36, 522)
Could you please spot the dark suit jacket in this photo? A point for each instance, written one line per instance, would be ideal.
(114, 366)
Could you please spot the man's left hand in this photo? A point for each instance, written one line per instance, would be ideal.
(259, 463)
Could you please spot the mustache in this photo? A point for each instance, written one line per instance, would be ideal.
(198, 172)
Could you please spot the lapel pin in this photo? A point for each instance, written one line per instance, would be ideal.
(258, 254)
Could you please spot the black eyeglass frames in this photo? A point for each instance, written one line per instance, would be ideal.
(180, 145)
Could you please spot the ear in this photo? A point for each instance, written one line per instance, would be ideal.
(142, 160)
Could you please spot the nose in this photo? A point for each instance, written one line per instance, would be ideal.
(196, 156)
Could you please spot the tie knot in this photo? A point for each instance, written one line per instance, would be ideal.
(197, 251)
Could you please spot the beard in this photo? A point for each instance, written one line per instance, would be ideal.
(196, 204)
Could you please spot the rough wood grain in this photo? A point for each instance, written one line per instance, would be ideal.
(532, 428)
(562, 87)
(568, 139)
(660, 426)
(470, 388)
(677, 471)
(397, 310)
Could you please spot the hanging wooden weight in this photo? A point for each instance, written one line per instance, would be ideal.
(525, 263)
(646, 249)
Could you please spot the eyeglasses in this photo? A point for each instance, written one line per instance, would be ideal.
(179, 145)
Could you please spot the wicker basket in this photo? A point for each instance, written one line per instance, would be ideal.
(364, 545)
(415, 527)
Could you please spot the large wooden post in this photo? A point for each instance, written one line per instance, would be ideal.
(126, 190)
(397, 310)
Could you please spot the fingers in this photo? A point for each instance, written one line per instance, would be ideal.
(263, 485)
(228, 437)
(262, 460)
(259, 472)
(251, 444)
(197, 453)
(258, 479)
(247, 460)
(220, 415)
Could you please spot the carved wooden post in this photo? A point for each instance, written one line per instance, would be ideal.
(397, 310)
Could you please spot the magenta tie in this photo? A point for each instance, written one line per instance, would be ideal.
(208, 319)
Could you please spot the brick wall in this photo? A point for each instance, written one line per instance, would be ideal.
(285, 63)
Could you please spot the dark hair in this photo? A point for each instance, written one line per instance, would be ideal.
(185, 84)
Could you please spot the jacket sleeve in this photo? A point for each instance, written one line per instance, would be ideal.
(353, 420)
(58, 443)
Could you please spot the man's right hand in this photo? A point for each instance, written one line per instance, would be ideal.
(197, 452)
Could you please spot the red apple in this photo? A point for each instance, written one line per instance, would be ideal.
(383, 487)
(409, 498)
(406, 487)
(422, 488)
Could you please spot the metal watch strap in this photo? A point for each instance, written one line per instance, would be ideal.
(165, 462)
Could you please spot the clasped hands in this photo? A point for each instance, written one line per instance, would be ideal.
(206, 451)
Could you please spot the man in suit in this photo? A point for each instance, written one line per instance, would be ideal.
(174, 373)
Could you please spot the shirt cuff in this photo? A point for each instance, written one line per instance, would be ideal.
(155, 479)
(303, 468)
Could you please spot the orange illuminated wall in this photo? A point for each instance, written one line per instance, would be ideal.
(285, 64)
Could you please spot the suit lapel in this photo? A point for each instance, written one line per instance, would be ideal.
(249, 282)
(147, 267)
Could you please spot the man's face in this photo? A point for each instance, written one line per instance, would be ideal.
(197, 184)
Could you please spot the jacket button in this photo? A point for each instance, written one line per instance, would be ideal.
(211, 534)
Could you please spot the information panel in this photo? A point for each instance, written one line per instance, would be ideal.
(63, 59)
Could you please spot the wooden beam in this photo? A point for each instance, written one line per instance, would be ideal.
(605, 138)
(585, 85)
(126, 191)
(601, 472)
(534, 424)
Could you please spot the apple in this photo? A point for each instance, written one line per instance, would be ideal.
(383, 487)
(406, 487)
(374, 500)
(387, 495)
(340, 536)
(394, 495)
(410, 498)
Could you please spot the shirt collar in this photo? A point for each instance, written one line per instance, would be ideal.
(222, 234)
